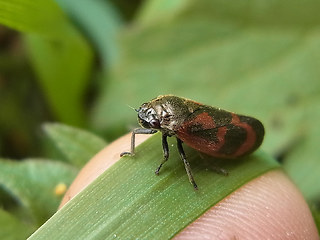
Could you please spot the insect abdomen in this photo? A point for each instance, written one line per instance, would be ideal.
(221, 134)
(252, 135)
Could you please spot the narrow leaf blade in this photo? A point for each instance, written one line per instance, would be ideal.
(129, 201)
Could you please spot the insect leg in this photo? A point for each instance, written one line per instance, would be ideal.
(186, 163)
(214, 167)
(165, 148)
(133, 139)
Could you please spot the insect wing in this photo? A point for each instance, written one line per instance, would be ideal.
(221, 133)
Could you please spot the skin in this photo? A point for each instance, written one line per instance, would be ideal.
(268, 207)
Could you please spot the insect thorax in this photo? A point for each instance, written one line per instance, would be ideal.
(171, 112)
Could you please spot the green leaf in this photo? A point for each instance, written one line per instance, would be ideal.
(60, 56)
(101, 22)
(32, 183)
(302, 161)
(160, 10)
(315, 209)
(129, 202)
(12, 228)
(258, 58)
(76, 144)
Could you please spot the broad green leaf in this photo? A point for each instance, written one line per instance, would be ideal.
(32, 183)
(59, 54)
(24, 16)
(129, 202)
(302, 161)
(76, 144)
(160, 10)
(12, 228)
(100, 21)
(258, 58)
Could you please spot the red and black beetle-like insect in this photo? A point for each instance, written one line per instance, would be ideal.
(207, 129)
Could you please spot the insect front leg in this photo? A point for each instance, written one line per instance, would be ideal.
(186, 163)
(165, 148)
(133, 139)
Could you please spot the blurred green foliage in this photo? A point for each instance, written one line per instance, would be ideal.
(82, 62)
(28, 189)
(74, 143)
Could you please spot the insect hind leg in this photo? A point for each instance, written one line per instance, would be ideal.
(213, 166)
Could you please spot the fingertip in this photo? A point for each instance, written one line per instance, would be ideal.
(269, 207)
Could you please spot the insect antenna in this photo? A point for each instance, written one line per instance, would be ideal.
(137, 110)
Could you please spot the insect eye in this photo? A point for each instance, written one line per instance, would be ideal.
(154, 123)
(149, 112)
(144, 123)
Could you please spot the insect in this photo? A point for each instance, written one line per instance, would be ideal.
(207, 129)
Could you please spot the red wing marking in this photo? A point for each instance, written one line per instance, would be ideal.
(200, 143)
(251, 136)
(203, 119)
